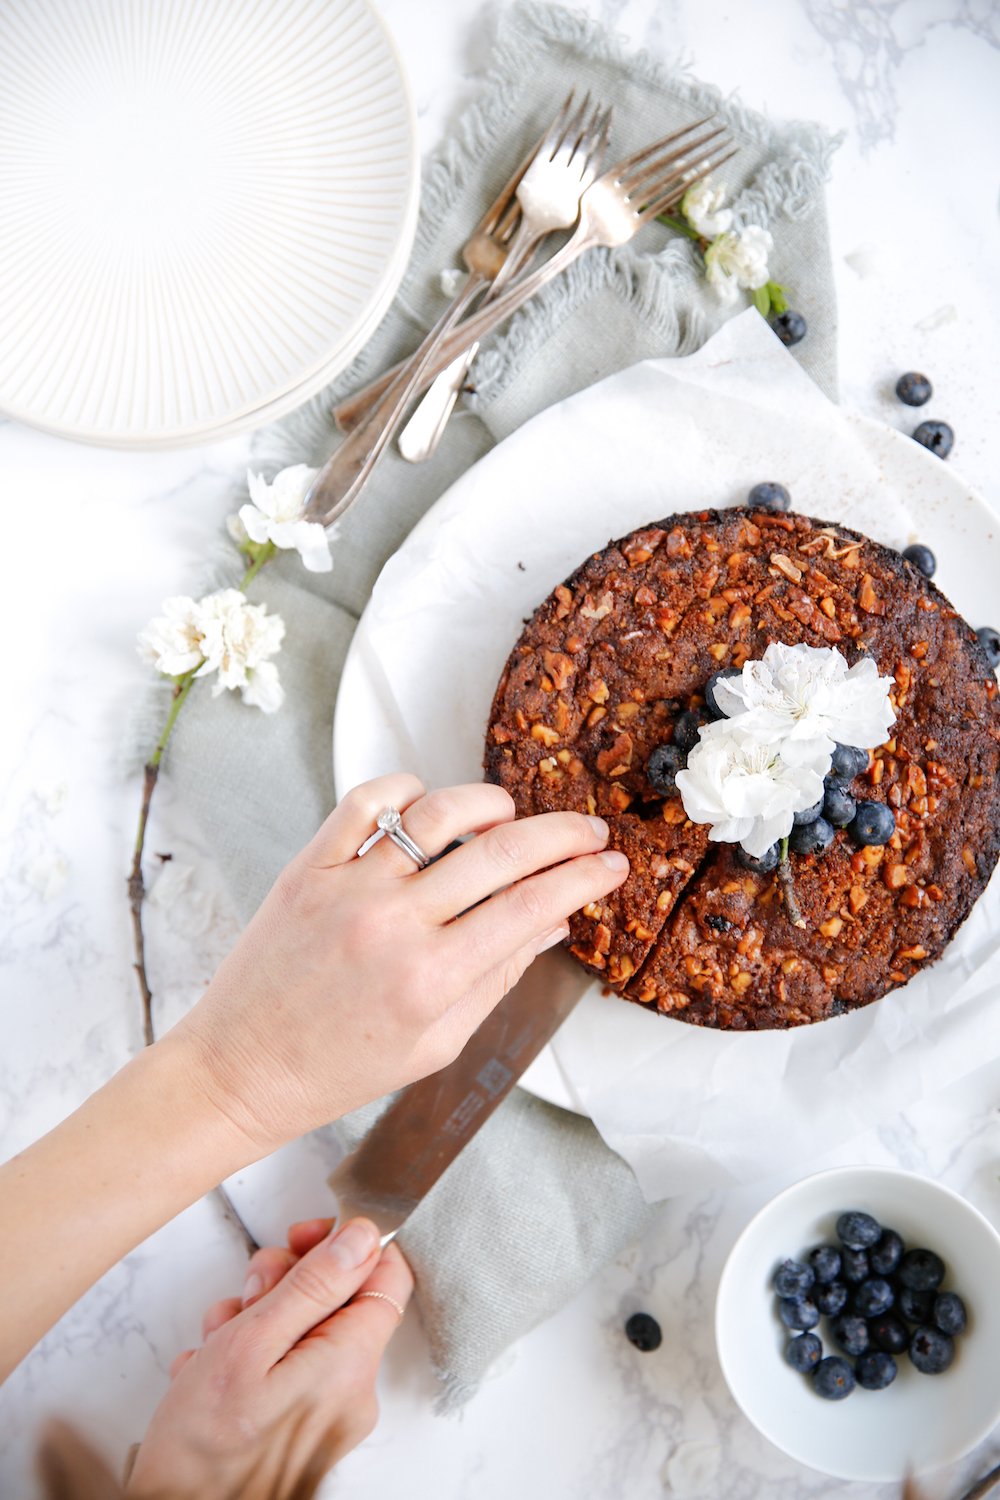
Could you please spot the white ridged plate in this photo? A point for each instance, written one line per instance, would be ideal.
(205, 208)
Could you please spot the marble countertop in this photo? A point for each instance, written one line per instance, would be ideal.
(94, 539)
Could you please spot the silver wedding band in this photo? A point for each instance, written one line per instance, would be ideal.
(382, 1297)
(389, 824)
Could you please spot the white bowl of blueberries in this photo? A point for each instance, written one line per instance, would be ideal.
(858, 1323)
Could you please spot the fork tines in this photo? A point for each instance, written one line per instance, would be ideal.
(661, 173)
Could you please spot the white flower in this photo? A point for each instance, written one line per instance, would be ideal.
(237, 640)
(172, 642)
(806, 699)
(702, 207)
(237, 531)
(276, 516)
(744, 788)
(452, 279)
(738, 260)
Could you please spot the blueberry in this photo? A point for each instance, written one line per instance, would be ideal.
(937, 436)
(807, 815)
(804, 1353)
(760, 865)
(873, 823)
(922, 558)
(710, 685)
(833, 1378)
(916, 1307)
(686, 730)
(913, 389)
(858, 1231)
(851, 1333)
(875, 1370)
(854, 1266)
(644, 1332)
(921, 1270)
(790, 327)
(839, 806)
(931, 1351)
(831, 1299)
(848, 761)
(662, 767)
(812, 838)
(770, 496)
(989, 639)
(886, 1255)
(889, 1333)
(798, 1312)
(793, 1279)
(949, 1313)
(825, 1261)
(873, 1297)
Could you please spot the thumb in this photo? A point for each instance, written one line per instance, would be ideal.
(315, 1287)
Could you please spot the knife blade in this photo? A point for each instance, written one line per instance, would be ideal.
(416, 1140)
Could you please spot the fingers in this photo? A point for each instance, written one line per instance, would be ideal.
(303, 1235)
(367, 1323)
(181, 1360)
(316, 1286)
(527, 912)
(508, 853)
(265, 1269)
(437, 819)
(218, 1314)
(353, 819)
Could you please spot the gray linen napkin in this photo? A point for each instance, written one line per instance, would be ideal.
(537, 1203)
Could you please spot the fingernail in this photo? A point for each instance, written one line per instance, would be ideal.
(556, 936)
(252, 1287)
(599, 826)
(353, 1244)
(614, 860)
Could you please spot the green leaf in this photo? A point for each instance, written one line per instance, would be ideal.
(779, 301)
(762, 299)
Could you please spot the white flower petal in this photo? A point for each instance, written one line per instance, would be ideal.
(263, 690)
(255, 523)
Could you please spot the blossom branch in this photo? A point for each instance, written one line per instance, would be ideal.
(787, 883)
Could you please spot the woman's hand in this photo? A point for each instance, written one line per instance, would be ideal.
(284, 1384)
(357, 976)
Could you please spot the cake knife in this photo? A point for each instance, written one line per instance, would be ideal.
(415, 1141)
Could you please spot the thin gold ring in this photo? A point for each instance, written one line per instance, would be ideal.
(382, 1297)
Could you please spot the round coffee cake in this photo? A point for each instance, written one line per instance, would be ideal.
(612, 658)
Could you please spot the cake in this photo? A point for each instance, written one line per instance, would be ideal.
(615, 654)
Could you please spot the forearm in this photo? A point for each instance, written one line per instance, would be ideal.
(141, 1149)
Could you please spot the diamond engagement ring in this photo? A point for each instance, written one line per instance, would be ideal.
(390, 823)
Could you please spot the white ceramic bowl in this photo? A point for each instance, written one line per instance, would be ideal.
(921, 1421)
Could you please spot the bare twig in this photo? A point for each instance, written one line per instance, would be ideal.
(787, 884)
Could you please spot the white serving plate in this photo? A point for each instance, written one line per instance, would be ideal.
(447, 608)
(205, 212)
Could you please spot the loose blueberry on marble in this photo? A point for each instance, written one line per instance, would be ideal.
(913, 389)
(886, 1255)
(831, 1299)
(937, 437)
(949, 1313)
(889, 1333)
(854, 1266)
(791, 327)
(662, 767)
(839, 806)
(848, 761)
(857, 1230)
(916, 1307)
(760, 864)
(804, 1352)
(644, 1332)
(710, 687)
(686, 729)
(873, 1297)
(825, 1261)
(851, 1333)
(793, 1279)
(769, 495)
(875, 1370)
(874, 823)
(922, 558)
(798, 1312)
(931, 1351)
(989, 639)
(833, 1378)
(921, 1270)
(807, 814)
(812, 838)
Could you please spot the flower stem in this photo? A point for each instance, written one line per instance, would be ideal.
(682, 227)
(265, 554)
(788, 887)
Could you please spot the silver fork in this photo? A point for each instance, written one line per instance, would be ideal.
(549, 194)
(344, 474)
